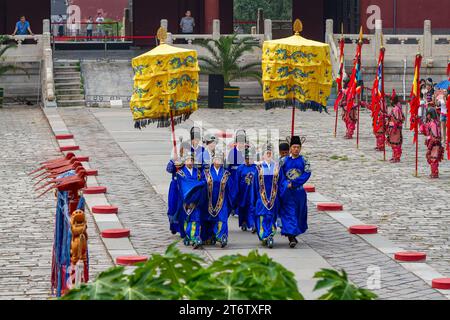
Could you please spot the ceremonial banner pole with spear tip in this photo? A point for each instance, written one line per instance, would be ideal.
(358, 88)
(414, 107)
(340, 78)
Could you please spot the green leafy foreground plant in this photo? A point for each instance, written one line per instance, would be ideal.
(176, 275)
(339, 288)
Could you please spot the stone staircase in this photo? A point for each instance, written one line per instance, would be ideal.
(68, 83)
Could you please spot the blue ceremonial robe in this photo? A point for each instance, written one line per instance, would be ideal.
(221, 195)
(245, 175)
(191, 189)
(172, 198)
(198, 152)
(234, 159)
(266, 200)
(294, 209)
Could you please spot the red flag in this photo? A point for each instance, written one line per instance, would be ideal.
(415, 98)
(353, 85)
(340, 76)
(448, 71)
(378, 95)
(448, 128)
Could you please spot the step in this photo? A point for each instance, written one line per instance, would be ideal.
(68, 85)
(71, 97)
(62, 92)
(66, 69)
(74, 74)
(67, 79)
(71, 103)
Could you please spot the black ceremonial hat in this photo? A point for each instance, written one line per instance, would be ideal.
(296, 140)
(283, 146)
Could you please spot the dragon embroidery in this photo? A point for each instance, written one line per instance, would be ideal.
(177, 63)
(284, 72)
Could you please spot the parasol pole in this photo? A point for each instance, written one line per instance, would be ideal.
(298, 27)
(174, 140)
(162, 37)
(293, 121)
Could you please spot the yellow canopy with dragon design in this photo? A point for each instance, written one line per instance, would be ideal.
(165, 80)
(296, 72)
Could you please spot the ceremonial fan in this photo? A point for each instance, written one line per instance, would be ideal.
(296, 73)
(165, 87)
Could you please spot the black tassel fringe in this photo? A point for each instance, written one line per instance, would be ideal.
(302, 106)
(162, 122)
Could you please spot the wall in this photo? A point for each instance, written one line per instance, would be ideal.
(409, 16)
(147, 16)
(35, 11)
(311, 13)
(111, 9)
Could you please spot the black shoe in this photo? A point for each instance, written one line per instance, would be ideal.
(270, 243)
(197, 244)
(253, 230)
(186, 241)
(244, 227)
(292, 242)
(224, 241)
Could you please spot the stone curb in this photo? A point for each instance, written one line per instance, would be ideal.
(116, 247)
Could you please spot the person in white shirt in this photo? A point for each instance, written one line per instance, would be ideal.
(99, 20)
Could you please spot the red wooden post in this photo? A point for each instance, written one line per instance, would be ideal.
(174, 140)
(293, 120)
(335, 122)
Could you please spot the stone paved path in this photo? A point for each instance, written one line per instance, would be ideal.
(325, 237)
(26, 223)
(413, 212)
(142, 210)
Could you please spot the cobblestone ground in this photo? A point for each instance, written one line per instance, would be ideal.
(142, 210)
(26, 223)
(413, 212)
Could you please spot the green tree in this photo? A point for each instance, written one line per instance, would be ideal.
(224, 55)
(273, 9)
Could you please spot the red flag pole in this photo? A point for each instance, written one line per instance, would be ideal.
(173, 136)
(357, 128)
(293, 119)
(335, 122)
(416, 132)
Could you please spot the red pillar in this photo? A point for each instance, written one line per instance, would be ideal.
(211, 13)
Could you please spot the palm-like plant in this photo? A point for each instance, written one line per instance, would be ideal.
(6, 67)
(225, 53)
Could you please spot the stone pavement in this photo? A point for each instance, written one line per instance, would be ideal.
(413, 212)
(326, 244)
(27, 223)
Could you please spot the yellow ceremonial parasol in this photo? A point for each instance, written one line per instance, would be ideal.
(296, 72)
(165, 87)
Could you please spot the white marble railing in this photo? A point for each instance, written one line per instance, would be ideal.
(434, 48)
(28, 49)
(190, 38)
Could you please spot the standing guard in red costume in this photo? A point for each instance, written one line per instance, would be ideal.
(349, 118)
(435, 153)
(394, 132)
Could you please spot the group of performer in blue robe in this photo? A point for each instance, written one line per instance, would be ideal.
(203, 194)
